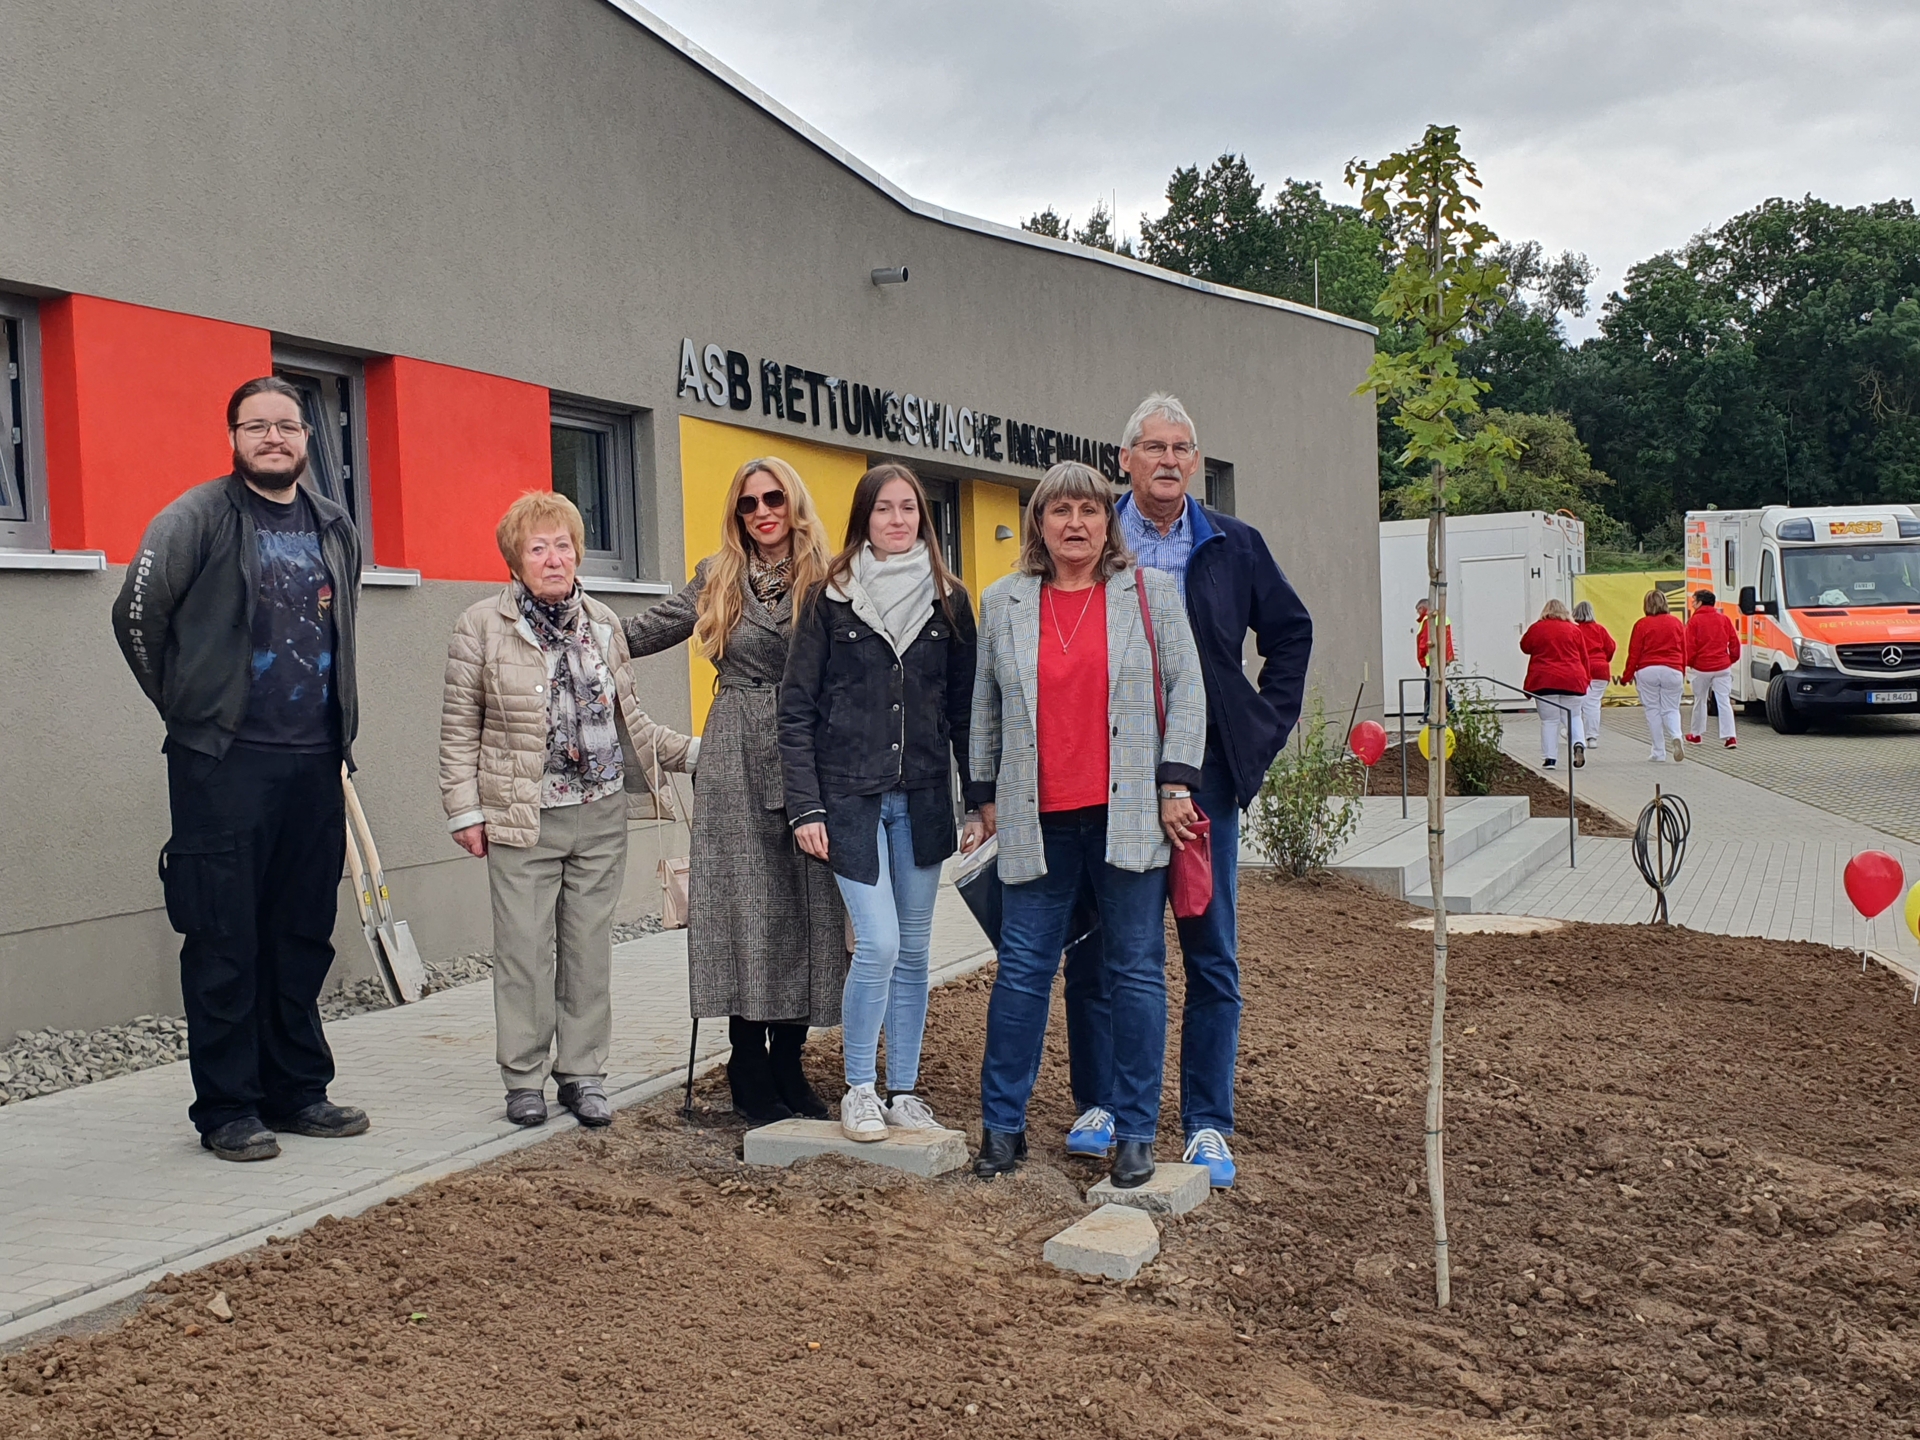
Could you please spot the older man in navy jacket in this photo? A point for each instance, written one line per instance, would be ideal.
(1232, 586)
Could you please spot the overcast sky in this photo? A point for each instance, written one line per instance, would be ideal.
(1614, 127)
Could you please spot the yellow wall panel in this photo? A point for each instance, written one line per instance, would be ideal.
(984, 508)
(1616, 601)
(709, 454)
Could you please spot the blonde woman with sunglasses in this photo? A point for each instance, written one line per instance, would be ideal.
(766, 930)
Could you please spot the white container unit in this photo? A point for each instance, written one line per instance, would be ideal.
(1501, 569)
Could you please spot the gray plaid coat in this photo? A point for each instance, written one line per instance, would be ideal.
(1005, 749)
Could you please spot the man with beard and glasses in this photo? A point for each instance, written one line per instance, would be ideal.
(1231, 587)
(237, 620)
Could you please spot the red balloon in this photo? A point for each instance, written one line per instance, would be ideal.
(1369, 742)
(1874, 881)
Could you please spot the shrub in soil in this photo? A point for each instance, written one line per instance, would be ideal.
(1309, 803)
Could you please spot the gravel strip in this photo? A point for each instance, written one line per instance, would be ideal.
(39, 1062)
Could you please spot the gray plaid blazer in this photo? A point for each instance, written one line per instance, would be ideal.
(1005, 749)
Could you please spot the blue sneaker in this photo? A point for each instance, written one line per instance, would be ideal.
(1092, 1133)
(1209, 1148)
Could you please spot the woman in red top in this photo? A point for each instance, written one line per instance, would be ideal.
(1557, 675)
(1600, 648)
(1656, 654)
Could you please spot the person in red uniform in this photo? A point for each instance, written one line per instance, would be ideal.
(1557, 679)
(1713, 649)
(1656, 667)
(1423, 650)
(1600, 648)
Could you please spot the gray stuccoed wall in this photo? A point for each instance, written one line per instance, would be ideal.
(547, 192)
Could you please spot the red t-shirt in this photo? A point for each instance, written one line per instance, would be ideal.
(1071, 710)
(1656, 640)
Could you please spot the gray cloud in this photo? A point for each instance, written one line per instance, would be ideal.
(1613, 127)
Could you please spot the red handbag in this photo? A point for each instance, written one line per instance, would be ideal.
(1190, 872)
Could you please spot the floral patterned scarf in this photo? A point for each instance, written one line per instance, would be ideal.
(583, 741)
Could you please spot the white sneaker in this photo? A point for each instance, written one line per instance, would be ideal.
(910, 1112)
(1675, 750)
(862, 1116)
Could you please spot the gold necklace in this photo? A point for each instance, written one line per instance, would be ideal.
(1066, 640)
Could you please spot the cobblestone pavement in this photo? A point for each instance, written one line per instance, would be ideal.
(103, 1187)
(1866, 768)
(1759, 861)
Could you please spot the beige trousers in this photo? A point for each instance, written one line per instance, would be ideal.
(553, 944)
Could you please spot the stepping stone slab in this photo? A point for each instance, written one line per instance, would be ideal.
(1113, 1242)
(1173, 1190)
(918, 1152)
(1491, 924)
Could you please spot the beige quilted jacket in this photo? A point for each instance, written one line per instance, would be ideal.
(493, 724)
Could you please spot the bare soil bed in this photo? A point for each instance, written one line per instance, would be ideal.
(1683, 1187)
(1548, 798)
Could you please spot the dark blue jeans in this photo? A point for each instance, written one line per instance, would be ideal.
(1210, 1021)
(1033, 928)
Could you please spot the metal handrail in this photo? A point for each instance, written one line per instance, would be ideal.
(1573, 822)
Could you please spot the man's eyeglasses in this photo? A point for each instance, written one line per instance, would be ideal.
(748, 504)
(1159, 449)
(259, 429)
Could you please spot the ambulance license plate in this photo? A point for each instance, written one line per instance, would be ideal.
(1893, 697)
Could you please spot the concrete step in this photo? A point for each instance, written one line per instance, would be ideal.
(1174, 1190)
(1113, 1242)
(1494, 871)
(1398, 865)
(918, 1152)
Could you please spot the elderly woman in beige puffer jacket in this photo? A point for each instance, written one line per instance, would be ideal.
(545, 754)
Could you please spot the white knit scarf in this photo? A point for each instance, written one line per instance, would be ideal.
(900, 588)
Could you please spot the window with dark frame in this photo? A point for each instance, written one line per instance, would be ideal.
(1218, 486)
(593, 466)
(333, 403)
(23, 509)
(943, 504)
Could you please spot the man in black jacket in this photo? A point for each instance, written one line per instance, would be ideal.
(1232, 587)
(237, 620)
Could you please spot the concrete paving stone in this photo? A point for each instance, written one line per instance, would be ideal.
(918, 1152)
(1113, 1242)
(1174, 1189)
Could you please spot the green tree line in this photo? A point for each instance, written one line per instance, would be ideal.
(1772, 359)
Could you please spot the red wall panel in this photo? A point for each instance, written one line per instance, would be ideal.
(448, 450)
(136, 403)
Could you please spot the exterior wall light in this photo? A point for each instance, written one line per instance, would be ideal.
(1003, 532)
(890, 275)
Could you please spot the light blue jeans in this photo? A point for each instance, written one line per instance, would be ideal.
(893, 934)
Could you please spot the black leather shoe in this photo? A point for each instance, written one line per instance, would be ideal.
(323, 1120)
(245, 1139)
(1000, 1153)
(1132, 1164)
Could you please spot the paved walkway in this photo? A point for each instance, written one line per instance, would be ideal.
(1758, 862)
(103, 1188)
(1867, 770)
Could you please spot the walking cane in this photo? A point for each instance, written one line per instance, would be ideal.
(693, 1046)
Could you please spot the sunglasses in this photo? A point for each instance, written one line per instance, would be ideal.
(748, 504)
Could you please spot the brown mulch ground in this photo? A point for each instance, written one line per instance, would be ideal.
(1682, 1192)
(1548, 798)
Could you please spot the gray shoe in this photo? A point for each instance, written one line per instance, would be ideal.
(526, 1107)
(588, 1101)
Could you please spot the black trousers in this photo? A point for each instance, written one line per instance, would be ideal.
(252, 880)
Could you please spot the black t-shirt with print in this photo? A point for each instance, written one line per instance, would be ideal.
(291, 705)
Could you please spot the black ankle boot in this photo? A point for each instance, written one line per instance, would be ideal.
(787, 1038)
(1000, 1153)
(1132, 1164)
(750, 1075)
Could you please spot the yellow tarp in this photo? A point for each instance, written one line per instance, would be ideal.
(1617, 604)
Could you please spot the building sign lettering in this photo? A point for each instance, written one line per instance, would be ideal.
(725, 380)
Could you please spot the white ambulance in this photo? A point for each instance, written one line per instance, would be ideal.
(1827, 603)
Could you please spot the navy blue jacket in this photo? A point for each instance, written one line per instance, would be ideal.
(1233, 586)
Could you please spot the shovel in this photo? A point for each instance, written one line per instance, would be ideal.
(402, 963)
(363, 896)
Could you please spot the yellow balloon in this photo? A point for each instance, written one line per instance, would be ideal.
(1426, 745)
(1913, 911)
